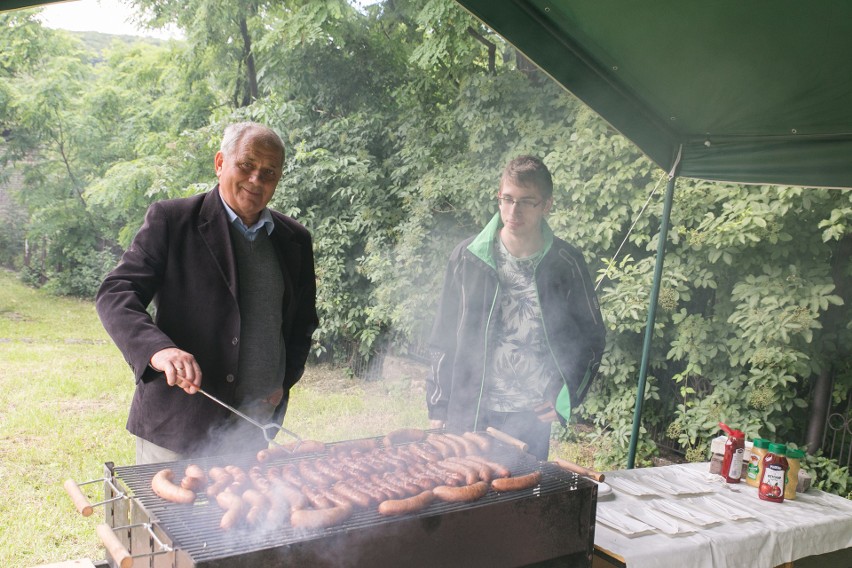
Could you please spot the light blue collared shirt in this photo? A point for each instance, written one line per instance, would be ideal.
(250, 233)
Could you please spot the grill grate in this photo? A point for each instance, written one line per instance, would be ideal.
(194, 529)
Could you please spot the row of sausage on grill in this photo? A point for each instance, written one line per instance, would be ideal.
(404, 474)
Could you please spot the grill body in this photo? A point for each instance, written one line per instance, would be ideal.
(550, 525)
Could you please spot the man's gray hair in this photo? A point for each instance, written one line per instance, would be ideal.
(234, 134)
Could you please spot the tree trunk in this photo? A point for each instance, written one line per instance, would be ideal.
(250, 94)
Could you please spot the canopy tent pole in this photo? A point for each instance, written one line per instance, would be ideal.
(652, 310)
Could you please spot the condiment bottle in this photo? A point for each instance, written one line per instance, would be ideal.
(746, 458)
(732, 464)
(775, 467)
(794, 458)
(755, 464)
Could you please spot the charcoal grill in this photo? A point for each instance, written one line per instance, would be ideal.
(552, 524)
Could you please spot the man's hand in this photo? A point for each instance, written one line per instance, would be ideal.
(546, 412)
(275, 398)
(436, 424)
(180, 367)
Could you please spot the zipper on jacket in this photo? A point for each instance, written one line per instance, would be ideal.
(485, 355)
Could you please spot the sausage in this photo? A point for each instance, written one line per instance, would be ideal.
(316, 497)
(424, 482)
(354, 470)
(470, 474)
(484, 442)
(403, 483)
(405, 454)
(484, 471)
(404, 506)
(221, 480)
(218, 473)
(293, 448)
(443, 447)
(402, 436)
(257, 503)
(194, 478)
(354, 494)
(290, 474)
(351, 446)
(425, 452)
(255, 498)
(358, 467)
(468, 445)
(499, 470)
(392, 490)
(310, 474)
(260, 481)
(446, 477)
(320, 518)
(233, 505)
(306, 447)
(326, 469)
(517, 483)
(274, 451)
(163, 485)
(193, 483)
(237, 473)
(463, 494)
(336, 498)
(376, 493)
(456, 446)
(240, 481)
(281, 490)
(392, 463)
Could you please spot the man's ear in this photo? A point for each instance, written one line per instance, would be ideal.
(217, 162)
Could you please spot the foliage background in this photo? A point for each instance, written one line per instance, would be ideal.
(397, 124)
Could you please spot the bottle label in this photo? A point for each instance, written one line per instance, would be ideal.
(736, 468)
(772, 484)
(753, 467)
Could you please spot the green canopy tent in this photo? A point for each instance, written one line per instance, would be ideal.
(754, 91)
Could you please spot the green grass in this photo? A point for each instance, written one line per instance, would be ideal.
(64, 395)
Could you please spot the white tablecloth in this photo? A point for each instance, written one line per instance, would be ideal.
(814, 523)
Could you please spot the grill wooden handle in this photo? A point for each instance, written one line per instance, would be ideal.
(116, 550)
(507, 439)
(584, 471)
(80, 501)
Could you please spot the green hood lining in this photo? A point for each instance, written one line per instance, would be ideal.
(481, 244)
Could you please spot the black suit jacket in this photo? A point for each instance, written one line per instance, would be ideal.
(182, 263)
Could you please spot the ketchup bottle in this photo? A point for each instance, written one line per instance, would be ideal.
(774, 476)
(732, 464)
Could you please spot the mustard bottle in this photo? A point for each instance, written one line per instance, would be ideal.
(794, 458)
(755, 464)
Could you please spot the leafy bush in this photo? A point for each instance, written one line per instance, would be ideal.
(828, 475)
(85, 276)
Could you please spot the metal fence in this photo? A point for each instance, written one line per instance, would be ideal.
(837, 439)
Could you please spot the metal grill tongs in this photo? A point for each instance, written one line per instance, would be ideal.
(266, 428)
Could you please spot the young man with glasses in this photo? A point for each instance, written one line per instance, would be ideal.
(518, 334)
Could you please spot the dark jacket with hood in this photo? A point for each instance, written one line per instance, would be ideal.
(573, 326)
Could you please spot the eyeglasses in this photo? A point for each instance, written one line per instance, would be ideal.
(523, 204)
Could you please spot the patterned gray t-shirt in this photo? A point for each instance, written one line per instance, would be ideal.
(520, 366)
